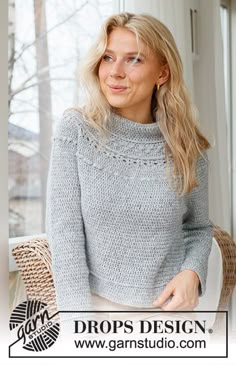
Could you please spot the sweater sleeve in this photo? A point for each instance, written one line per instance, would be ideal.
(64, 222)
(197, 228)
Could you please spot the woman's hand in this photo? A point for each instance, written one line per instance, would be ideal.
(184, 288)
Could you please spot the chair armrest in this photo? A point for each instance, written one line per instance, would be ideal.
(33, 259)
(228, 251)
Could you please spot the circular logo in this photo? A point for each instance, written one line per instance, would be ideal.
(34, 325)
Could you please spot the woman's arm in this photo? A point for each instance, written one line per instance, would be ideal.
(190, 282)
(64, 223)
(197, 228)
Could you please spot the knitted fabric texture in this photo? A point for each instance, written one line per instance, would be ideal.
(114, 224)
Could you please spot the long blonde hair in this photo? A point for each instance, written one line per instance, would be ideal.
(172, 107)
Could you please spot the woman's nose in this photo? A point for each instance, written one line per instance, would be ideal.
(117, 69)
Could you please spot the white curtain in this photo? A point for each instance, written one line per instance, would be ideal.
(204, 77)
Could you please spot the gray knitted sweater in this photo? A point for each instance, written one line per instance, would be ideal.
(114, 225)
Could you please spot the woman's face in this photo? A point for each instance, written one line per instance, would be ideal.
(127, 77)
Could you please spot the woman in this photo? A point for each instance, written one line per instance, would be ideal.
(127, 201)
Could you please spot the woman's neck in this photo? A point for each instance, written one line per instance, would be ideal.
(136, 116)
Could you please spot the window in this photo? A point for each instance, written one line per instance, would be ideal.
(46, 40)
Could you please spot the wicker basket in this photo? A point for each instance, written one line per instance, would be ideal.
(33, 259)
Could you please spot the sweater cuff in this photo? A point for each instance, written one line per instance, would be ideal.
(200, 269)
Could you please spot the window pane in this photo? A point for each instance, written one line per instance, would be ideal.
(46, 40)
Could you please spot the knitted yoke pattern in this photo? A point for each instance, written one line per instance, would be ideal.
(114, 224)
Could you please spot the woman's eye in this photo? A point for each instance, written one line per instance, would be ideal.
(134, 60)
(107, 58)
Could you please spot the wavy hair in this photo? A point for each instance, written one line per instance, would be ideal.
(171, 104)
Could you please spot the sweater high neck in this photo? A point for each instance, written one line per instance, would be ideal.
(134, 131)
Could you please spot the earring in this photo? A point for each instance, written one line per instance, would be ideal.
(158, 87)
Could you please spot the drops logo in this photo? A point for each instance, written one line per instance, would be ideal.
(34, 325)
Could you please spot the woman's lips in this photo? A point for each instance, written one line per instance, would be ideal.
(117, 88)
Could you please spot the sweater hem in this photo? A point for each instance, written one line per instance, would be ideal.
(125, 295)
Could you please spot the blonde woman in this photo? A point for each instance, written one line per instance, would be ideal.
(127, 201)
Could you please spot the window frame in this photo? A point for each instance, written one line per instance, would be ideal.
(4, 129)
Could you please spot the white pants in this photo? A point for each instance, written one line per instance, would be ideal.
(103, 304)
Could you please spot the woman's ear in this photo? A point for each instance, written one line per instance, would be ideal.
(164, 75)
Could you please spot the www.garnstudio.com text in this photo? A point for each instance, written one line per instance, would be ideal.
(162, 343)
